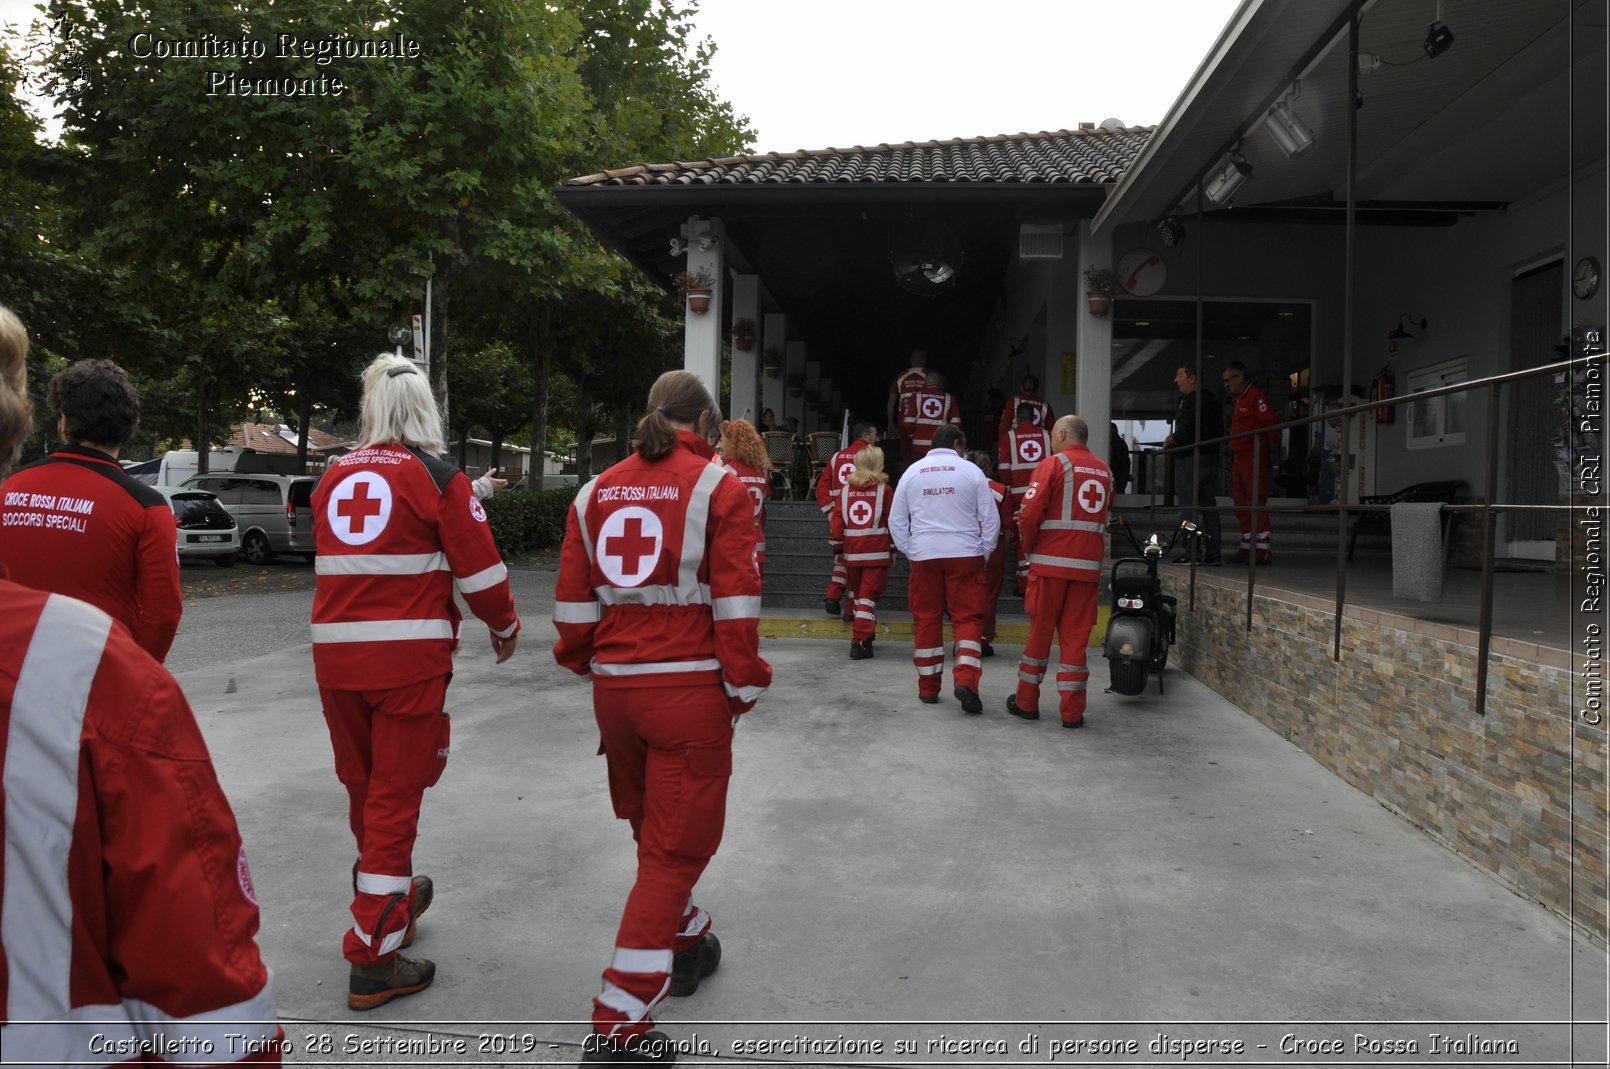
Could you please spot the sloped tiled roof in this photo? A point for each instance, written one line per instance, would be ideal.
(1090, 156)
(277, 438)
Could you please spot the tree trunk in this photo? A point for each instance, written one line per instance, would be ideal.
(584, 430)
(463, 447)
(304, 417)
(497, 449)
(203, 443)
(441, 288)
(539, 351)
(623, 432)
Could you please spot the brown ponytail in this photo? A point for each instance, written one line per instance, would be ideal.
(16, 407)
(675, 397)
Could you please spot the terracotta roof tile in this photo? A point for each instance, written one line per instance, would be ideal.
(1097, 155)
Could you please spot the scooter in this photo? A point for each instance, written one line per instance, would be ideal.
(1141, 627)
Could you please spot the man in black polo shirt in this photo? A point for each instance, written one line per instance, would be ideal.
(1197, 493)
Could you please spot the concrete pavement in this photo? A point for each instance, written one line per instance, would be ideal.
(1175, 869)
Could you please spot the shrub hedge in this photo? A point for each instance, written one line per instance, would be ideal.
(523, 520)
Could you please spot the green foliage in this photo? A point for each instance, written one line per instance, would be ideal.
(524, 520)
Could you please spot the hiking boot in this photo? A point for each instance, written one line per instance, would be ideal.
(831, 606)
(1079, 723)
(1020, 712)
(694, 964)
(860, 651)
(985, 649)
(375, 985)
(650, 1048)
(928, 699)
(424, 893)
(971, 703)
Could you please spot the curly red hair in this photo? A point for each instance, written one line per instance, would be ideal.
(741, 442)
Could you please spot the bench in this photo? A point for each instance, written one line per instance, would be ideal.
(1379, 521)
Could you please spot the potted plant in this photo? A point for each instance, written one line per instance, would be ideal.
(1101, 283)
(772, 361)
(795, 383)
(743, 334)
(695, 287)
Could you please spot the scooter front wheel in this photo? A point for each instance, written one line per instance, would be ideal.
(1128, 677)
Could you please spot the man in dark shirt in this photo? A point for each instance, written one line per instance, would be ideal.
(1197, 492)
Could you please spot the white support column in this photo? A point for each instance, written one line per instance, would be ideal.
(773, 335)
(701, 334)
(746, 365)
(1094, 397)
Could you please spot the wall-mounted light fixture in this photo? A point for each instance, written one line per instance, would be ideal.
(1398, 333)
(1229, 178)
(1170, 232)
(1438, 39)
(1288, 131)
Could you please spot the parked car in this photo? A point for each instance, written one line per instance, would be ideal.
(206, 531)
(275, 512)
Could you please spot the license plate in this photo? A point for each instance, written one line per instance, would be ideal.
(209, 538)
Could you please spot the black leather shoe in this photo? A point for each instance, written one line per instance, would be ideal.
(830, 606)
(1079, 723)
(971, 704)
(1020, 712)
(860, 651)
(985, 649)
(928, 699)
(650, 1048)
(694, 964)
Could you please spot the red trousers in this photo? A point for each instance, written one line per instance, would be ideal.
(841, 577)
(1068, 607)
(670, 757)
(1241, 494)
(956, 585)
(866, 586)
(994, 579)
(389, 746)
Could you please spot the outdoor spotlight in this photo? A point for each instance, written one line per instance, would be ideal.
(1288, 131)
(1171, 232)
(1235, 172)
(1438, 39)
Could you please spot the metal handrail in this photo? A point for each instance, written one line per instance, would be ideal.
(1487, 507)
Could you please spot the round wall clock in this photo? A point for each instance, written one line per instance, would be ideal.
(1142, 272)
(1585, 277)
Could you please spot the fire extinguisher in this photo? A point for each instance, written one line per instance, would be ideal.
(1382, 389)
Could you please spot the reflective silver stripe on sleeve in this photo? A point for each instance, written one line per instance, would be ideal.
(644, 668)
(577, 612)
(382, 630)
(1073, 525)
(370, 883)
(584, 496)
(696, 521)
(736, 607)
(507, 631)
(1067, 487)
(641, 961)
(743, 694)
(41, 785)
(379, 563)
(1065, 562)
(483, 579)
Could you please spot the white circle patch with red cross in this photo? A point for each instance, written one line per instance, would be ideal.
(629, 546)
(1092, 495)
(359, 508)
(758, 496)
(243, 876)
(933, 406)
(1031, 450)
(860, 513)
(477, 512)
(846, 469)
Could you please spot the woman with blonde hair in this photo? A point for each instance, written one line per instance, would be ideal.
(860, 532)
(744, 454)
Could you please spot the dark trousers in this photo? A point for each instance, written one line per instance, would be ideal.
(1199, 506)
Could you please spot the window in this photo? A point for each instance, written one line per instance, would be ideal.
(259, 492)
(1437, 421)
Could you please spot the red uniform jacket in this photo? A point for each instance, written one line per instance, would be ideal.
(1064, 515)
(1250, 412)
(396, 531)
(758, 485)
(860, 526)
(1005, 505)
(834, 475)
(659, 585)
(75, 524)
(1043, 416)
(1021, 449)
(932, 408)
(904, 390)
(129, 913)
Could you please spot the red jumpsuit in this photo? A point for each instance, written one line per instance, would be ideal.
(904, 390)
(396, 531)
(658, 597)
(75, 524)
(128, 913)
(1060, 526)
(758, 484)
(860, 533)
(1022, 448)
(932, 408)
(1251, 411)
(1043, 416)
(828, 488)
(995, 564)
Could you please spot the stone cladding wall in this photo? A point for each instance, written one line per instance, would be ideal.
(1519, 792)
